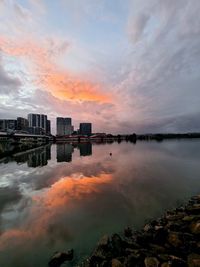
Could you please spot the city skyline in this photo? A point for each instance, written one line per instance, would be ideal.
(122, 65)
(35, 123)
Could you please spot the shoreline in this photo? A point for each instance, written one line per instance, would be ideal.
(171, 240)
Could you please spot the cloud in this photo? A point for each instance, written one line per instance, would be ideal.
(59, 82)
(136, 26)
(148, 74)
(8, 83)
(161, 81)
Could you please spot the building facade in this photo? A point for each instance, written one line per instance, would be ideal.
(22, 124)
(38, 121)
(48, 127)
(64, 126)
(85, 128)
(8, 125)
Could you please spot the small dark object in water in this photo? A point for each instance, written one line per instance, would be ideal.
(110, 154)
(60, 257)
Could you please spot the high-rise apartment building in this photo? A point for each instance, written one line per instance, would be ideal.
(64, 126)
(48, 127)
(6, 125)
(22, 123)
(85, 128)
(38, 121)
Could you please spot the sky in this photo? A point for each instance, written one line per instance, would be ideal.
(124, 65)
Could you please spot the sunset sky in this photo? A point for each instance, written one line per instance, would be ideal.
(124, 65)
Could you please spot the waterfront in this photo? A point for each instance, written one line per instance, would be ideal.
(63, 196)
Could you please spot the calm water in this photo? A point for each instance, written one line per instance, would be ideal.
(65, 196)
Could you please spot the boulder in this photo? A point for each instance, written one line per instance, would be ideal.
(193, 260)
(60, 257)
(116, 263)
(128, 232)
(193, 209)
(117, 245)
(151, 262)
(174, 239)
(166, 264)
(195, 227)
(104, 241)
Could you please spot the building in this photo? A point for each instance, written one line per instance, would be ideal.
(48, 127)
(7, 125)
(22, 124)
(34, 120)
(43, 122)
(2, 125)
(85, 128)
(38, 121)
(35, 130)
(64, 126)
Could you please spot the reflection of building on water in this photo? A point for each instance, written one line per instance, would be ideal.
(35, 158)
(6, 146)
(39, 158)
(64, 152)
(85, 149)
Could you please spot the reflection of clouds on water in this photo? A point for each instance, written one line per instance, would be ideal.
(64, 205)
(50, 211)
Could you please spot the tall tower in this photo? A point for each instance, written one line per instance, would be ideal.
(64, 126)
(86, 128)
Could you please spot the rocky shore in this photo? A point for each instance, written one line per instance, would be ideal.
(173, 240)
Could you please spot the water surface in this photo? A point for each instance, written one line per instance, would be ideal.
(63, 196)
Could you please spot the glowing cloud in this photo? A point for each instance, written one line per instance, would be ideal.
(47, 74)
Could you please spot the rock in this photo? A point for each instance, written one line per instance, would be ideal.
(128, 232)
(194, 260)
(147, 227)
(104, 241)
(164, 257)
(196, 198)
(157, 249)
(151, 262)
(144, 238)
(117, 245)
(195, 227)
(175, 217)
(166, 264)
(129, 251)
(160, 235)
(116, 263)
(177, 226)
(133, 260)
(174, 239)
(60, 257)
(176, 261)
(188, 218)
(193, 209)
(130, 244)
(171, 241)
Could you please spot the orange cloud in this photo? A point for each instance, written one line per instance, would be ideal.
(64, 195)
(62, 84)
(70, 189)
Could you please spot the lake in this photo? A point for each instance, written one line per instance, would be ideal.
(66, 196)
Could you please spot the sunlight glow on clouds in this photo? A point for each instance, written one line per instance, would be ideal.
(48, 75)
